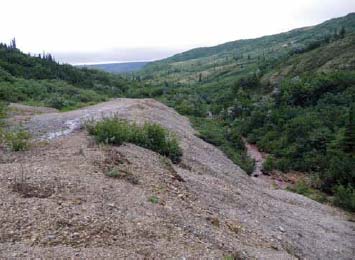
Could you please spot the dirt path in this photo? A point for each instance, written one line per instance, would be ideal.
(218, 211)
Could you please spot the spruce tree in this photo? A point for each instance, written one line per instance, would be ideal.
(342, 32)
(349, 135)
(13, 43)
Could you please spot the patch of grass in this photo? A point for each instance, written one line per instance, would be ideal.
(303, 188)
(154, 199)
(18, 140)
(150, 136)
(122, 174)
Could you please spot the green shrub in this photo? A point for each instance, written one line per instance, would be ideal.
(269, 164)
(2, 111)
(150, 136)
(18, 140)
(302, 188)
(345, 197)
(229, 141)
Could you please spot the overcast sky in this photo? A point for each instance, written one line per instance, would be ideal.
(108, 30)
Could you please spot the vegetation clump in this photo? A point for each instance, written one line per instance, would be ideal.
(17, 140)
(345, 197)
(150, 136)
(14, 139)
(154, 199)
(215, 133)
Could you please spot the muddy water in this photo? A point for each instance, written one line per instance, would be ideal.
(258, 156)
(271, 179)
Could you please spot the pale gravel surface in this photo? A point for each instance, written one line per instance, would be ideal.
(217, 211)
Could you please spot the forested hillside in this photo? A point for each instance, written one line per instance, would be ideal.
(292, 94)
(40, 80)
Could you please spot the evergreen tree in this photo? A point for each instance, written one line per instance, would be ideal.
(342, 32)
(349, 135)
(13, 43)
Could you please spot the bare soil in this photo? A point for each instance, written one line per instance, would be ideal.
(58, 202)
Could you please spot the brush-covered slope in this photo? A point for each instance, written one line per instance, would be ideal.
(291, 94)
(243, 56)
(42, 81)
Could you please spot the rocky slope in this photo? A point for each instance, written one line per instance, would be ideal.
(57, 202)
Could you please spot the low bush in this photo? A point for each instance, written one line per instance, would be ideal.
(150, 136)
(214, 132)
(305, 188)
(18, 140)
(2, 116)
(345, 197)
(268, 164)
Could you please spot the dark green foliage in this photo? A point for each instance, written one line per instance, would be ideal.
(269, 164)
(215, 133)
(345, 197)
(150, 136)
(2, 111)
(348, 142)
(304, 129)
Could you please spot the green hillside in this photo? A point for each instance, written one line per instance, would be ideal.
(292, 94)
(41, 80)
(240, 57)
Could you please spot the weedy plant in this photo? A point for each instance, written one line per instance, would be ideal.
(154, 199)
(150, 136)
(17, 140)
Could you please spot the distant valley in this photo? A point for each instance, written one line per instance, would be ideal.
(124, 67)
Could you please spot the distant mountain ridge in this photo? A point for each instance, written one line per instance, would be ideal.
(122, 67)
(242, 56)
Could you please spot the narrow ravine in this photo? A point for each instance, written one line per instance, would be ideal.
(256, 155)
(274, 179)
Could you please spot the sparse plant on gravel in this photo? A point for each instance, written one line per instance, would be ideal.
(150, 136)
(154, 199)
(114, 173)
